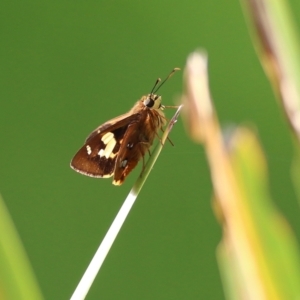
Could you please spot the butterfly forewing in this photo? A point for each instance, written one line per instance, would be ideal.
(115, 123)
(97, 158)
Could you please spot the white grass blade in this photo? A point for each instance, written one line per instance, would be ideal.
(99, 257)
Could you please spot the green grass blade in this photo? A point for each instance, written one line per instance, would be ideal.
(17, 280)
(258, 252)
(277, 41)
(272, 248)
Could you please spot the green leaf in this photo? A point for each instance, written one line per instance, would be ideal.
(16, 275)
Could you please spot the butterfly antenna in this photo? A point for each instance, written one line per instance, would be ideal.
(172, 72)
(158, 80)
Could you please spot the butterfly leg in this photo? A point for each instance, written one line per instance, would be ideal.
(143, 168)
(143, 153)
(161, 140)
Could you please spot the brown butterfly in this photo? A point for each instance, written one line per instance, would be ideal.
(115, 148)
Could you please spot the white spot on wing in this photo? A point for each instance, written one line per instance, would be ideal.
(107, 152)
(107, 137)
(88, 149)
(101, 152)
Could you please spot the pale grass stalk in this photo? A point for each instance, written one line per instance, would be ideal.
(99, 257)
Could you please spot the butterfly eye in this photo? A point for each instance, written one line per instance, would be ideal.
(149, 102)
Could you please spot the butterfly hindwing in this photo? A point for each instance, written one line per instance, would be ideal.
(137, 140)
(129, 154)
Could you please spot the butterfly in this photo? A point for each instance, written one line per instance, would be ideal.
(115, 147)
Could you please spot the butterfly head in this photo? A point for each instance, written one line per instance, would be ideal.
(152, 101)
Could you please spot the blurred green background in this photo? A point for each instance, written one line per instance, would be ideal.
(67, 67)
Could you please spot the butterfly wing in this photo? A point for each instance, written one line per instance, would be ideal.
(97, 158)
(129, 154)
(137, 140)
